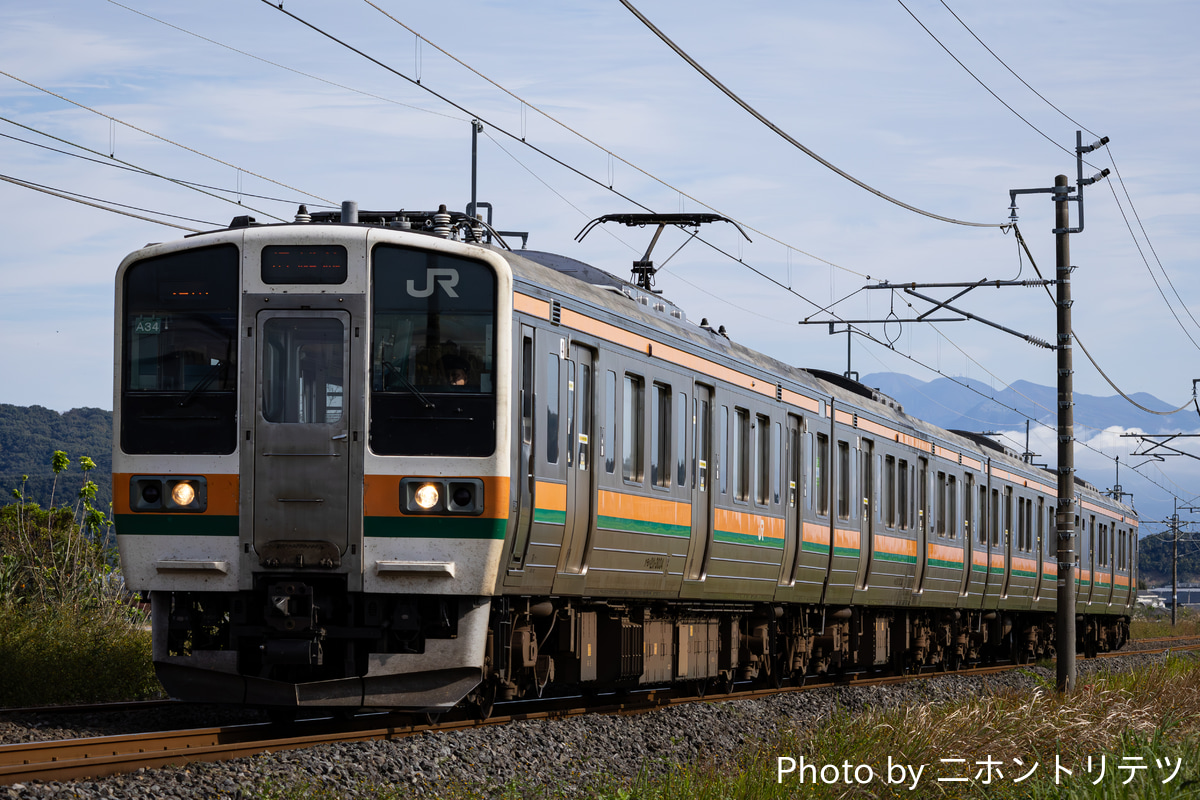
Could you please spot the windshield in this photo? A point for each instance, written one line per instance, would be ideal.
(179, 347)
(433, 354)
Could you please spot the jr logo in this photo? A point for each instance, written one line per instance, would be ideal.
(448, 278)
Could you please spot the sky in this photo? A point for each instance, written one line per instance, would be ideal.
(238, 96)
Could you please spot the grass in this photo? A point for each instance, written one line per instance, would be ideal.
(1156, 624)
(69, 632)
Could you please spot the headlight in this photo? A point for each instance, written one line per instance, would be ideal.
(169, 493)
(427, 496)
(183, 494)
(441, 496)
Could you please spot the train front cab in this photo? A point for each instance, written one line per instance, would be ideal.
(345, 502)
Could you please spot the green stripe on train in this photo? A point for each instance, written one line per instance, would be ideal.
(732, 537)
(434, 527)
(640, 526)
(896, 558)
(549, 516)
(176, 525)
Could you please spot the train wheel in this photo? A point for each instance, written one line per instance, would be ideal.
(483, 702)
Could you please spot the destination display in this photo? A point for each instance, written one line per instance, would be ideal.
(308, 264)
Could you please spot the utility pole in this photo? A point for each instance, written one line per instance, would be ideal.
(1175, 563)
(1065, 512)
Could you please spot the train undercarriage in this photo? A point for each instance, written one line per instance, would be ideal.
(303, 642)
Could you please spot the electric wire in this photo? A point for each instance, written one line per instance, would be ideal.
(78, 199)
(108, 162)
(1075, 336)
(192, 150)
(526, 104)
(284, 67)
(1077, 124)
(788, 138)
(143, 170)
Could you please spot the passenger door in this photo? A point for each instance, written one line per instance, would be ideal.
(580, 487)
(301, 453)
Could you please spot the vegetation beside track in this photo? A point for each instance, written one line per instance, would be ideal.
(1120, 735)
(70, 632)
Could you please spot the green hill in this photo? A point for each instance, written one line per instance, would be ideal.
(30, 435)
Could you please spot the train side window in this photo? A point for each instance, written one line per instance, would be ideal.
(681, 438)
(739, 456)
(821, 474)
(902, 493)
(632, 434)
(608, 435)
(660, 436)
(552, 407)
(762, 467)
(723, 443)
(570, 441)
(995, 526)
(843, 480)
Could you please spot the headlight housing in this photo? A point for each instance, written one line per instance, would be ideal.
(172, 494)
(441, 496)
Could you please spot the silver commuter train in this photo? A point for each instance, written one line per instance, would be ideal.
(364, 463)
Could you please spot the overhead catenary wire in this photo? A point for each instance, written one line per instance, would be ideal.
(192, 150)
(143, 170)
(87, 202)
(523, 140)
(1079, 125)
(789, 138)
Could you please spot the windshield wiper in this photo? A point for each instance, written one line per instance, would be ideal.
(425, 401)
(203, 383)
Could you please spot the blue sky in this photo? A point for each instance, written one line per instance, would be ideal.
(860, 82)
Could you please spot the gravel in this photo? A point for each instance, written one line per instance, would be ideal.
(570, 757)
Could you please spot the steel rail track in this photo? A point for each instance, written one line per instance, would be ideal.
(102, 756)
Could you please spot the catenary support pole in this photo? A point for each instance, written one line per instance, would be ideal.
(1066, 446)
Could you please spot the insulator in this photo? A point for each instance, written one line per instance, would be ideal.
(302, 214)
(441, 222)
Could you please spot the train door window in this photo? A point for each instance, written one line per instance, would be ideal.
(923, 495)
(681, 439)
(1029, 545)
(584, 436)
(660, 436)
(1008, 513)
(951, 515)
(1020, 523)
(1092, 537)
(821, 474)
(723, 443)
(995, 517)
(1041, 523)
(983, 514)
(763, 460)
(941, 503)
(527, 390)
(608, 435)
(902, 493)
(843, 480)
(739, 455)
(776, 462)
(303, 374)
(968, 506)
(701, 452)
(632, 433)
(1102, 554)
(795, 461)
(550, 390)
(1052, 527)
(889, 491)
(570, 448)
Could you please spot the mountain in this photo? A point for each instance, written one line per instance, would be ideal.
(949, 403)
(30, 435)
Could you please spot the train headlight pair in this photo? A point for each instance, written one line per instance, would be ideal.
(441, 496)
(169, 493)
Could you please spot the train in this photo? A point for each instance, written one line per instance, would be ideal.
(380, 460)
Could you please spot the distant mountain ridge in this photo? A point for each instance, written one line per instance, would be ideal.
(949, 404)
(29, 435)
